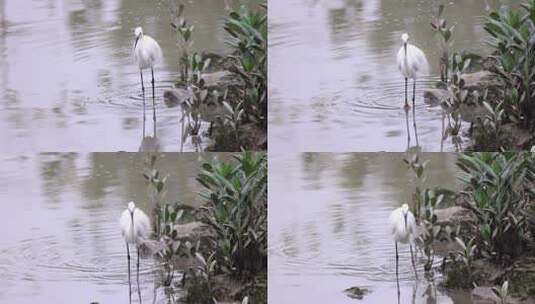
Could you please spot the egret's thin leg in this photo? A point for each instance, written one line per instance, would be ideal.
(413, 92)
(406, 102)
(129, 282)
(153, 102)
(142, 85)
(414, 124)
(397, 275)
(138, 289)
(413, 264)
(144, 114)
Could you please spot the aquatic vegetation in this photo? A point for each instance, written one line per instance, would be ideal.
(248, 39)
(511, 34)
(501, 292)
(499, 193)
(439, 25)
(228, 259)
(236, 197)
(499, 110)
(237, 110)
(426, 202)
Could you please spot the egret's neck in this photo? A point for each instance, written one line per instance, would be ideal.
(132, 225)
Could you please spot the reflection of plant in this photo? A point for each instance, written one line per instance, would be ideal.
(237, 212)
(248, 39)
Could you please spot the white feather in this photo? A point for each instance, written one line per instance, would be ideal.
(412, 64)
(135, 229)
(403, 233)
(147, 52)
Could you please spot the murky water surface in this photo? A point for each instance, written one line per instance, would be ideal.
(333, 78)
(67, 77)
(328, 228)
(60, 218)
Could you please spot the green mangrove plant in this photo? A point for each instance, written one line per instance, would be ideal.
(499, 189)
(511, 37)
(236, 197)
(247, 31)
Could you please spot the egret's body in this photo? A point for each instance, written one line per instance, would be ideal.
(412, 63)
(147, 53)
(135, 228)
(404, 230)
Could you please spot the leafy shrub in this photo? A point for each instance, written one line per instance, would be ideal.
(236, 196)
(248, 40)
(499, 190)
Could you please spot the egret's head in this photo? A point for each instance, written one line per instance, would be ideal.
(405, 38)
(405, 211)
(138, 32)
(131, 207)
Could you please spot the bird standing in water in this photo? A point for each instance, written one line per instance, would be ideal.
(412, 63)
(135, 228)
(404, 230)
(147, 53)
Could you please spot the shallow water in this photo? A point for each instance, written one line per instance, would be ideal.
(333, 79)
(67, 78)
(62, 242)
(328, 228)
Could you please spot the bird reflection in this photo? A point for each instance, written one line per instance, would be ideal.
(149, 143)
(417, 146)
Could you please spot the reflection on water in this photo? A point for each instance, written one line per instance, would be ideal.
(328, 227)
(61, 212)
(333, 79)
(66, 68)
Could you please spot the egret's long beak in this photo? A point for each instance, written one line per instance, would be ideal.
(405, 219)
(137, 39)
(405, 47)
(132, 216)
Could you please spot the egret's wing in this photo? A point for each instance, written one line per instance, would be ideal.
(154, 49)
(400, 57)
(142, 222)
(418, 61)
(124, 222)
(394, 219)
(411, 225)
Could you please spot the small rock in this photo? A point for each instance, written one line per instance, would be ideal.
(471, 112)
(192, 230)
(436, 96)
(175, 97)
(219, 79)
(447, 215)
(356, 292)
(480, 80)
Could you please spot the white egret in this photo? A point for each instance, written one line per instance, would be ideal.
(404, 230)
(135, 227)
(147, 53)
(412, 64)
